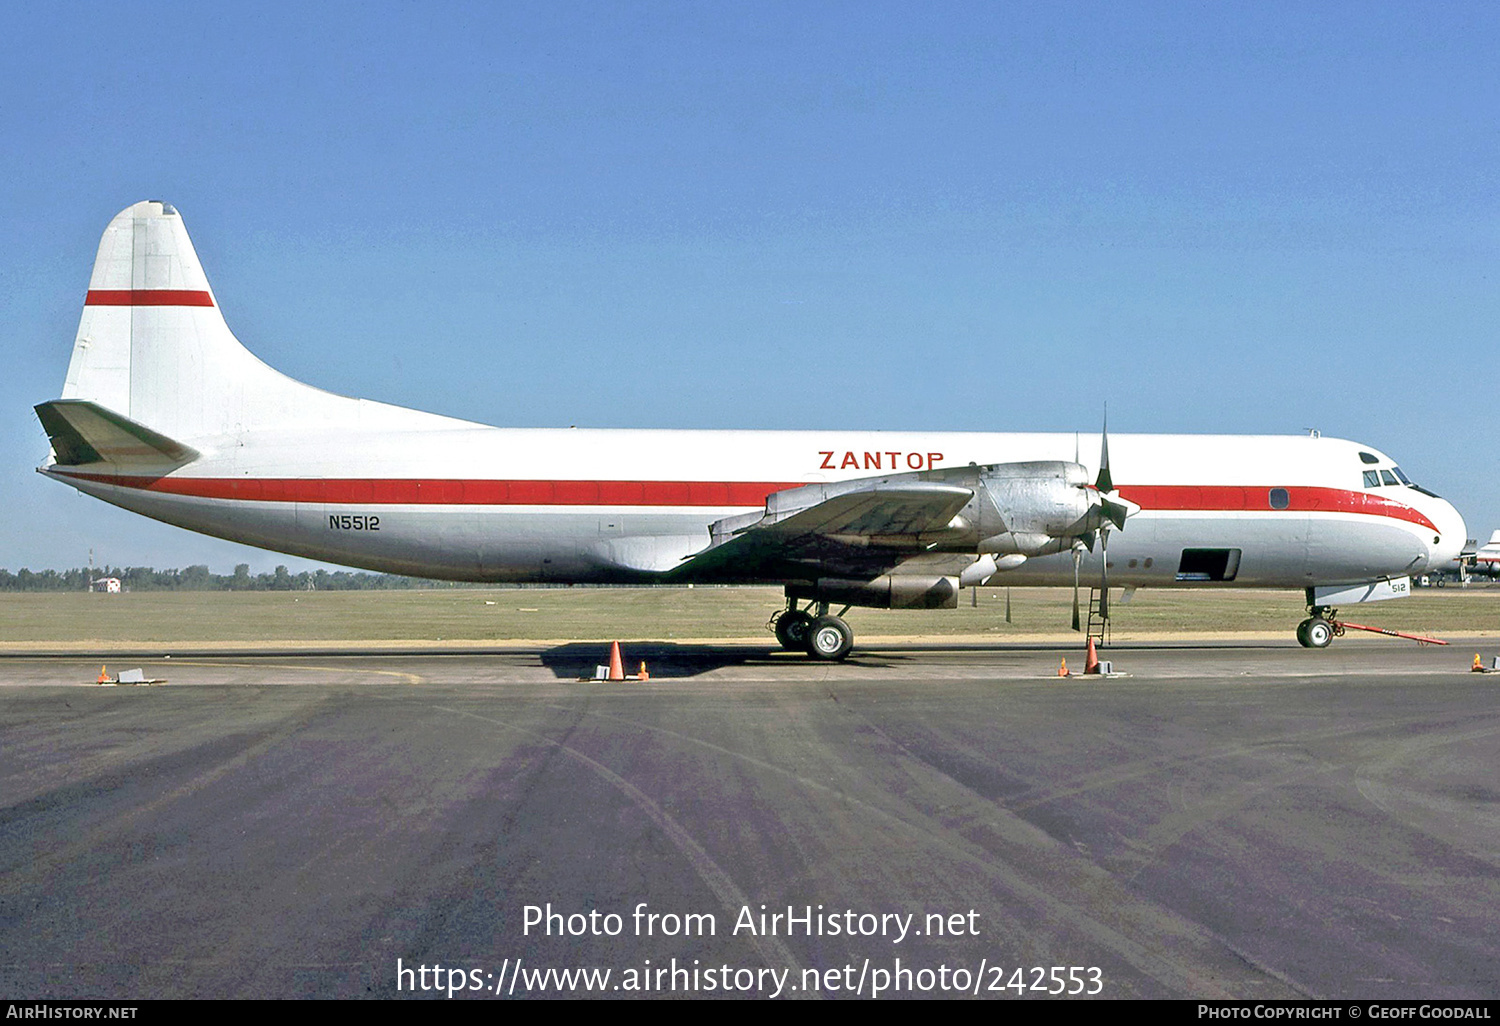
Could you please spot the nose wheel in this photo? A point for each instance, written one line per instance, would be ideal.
(1318, 630)
(1315, 632)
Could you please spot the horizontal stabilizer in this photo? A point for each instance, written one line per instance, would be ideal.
(83, 432)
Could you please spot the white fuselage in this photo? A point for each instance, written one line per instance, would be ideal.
(447, 499)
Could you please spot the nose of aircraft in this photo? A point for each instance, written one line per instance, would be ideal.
(1443, 553)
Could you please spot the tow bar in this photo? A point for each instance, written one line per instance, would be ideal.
(1339, 626)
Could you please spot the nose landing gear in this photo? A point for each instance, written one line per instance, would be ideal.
(1319, 629)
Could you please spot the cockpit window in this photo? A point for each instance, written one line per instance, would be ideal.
(1369, 457)
(1404, 479)
(1372, 479)
(1388, 477)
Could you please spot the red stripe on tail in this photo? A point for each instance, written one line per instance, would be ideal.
(148, 297)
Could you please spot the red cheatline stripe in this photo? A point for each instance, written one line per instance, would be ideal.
(456, 492)
(148, 297)
(459, 492)
(1226, 498)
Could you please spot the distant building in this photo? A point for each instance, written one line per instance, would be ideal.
(108, 585)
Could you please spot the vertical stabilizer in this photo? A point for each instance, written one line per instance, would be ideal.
(152, 345)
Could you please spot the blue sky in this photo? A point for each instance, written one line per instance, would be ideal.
(1218, 217)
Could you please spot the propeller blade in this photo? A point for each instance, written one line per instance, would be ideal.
(1114, 512)
(1104, 482)
(1103, 575)
(1077, 555)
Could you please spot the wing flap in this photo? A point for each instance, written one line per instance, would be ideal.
(908, 510)
(860, 532)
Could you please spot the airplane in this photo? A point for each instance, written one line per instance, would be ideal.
(165, 413)
(1486, 559)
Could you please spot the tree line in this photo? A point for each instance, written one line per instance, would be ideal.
(200, 578)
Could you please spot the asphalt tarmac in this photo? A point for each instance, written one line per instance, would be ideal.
(1251, 821)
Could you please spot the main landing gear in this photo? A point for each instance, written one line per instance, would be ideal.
(821, 636)
(1319, 629)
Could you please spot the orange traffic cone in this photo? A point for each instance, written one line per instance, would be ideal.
(644, 675)
(1092, 664)
(1062, 671)
(616, 664)
(104, 677)
(1478, 666)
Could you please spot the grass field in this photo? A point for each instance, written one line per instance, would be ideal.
(30, 621)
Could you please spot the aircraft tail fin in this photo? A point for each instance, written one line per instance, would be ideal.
(153, 348)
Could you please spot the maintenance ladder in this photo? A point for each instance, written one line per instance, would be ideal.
(1098, 625)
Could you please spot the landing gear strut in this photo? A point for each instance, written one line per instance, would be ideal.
(821, 636)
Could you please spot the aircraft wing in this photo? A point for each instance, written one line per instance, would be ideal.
(819, 531)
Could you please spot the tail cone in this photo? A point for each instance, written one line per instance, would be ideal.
(1092, 664)
(1062, 670)
(616, 664)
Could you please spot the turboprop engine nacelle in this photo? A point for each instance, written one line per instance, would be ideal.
(889, 591)
(1036, 506)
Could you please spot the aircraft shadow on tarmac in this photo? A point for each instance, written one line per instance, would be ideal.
(666, 659)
